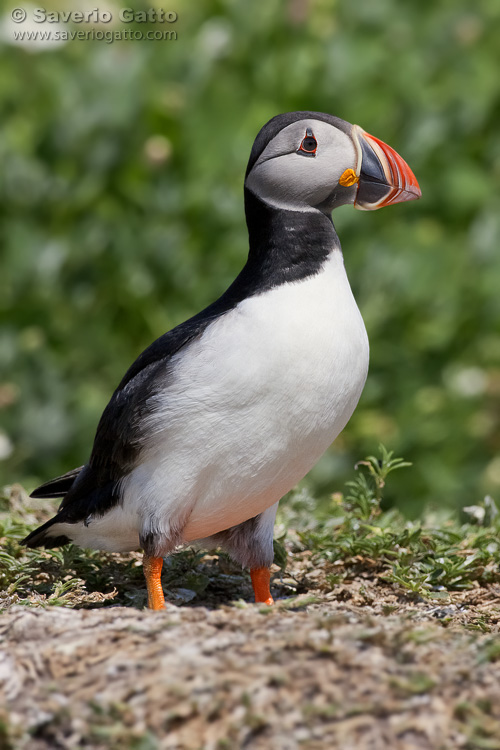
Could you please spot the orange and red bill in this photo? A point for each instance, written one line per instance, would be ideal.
(384, 177)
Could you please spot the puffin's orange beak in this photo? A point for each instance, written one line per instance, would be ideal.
(384, 177)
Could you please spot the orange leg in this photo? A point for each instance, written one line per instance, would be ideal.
(152, 570)
(260, 582)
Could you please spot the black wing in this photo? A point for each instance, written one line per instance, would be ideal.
(93, 488)
(59, 486)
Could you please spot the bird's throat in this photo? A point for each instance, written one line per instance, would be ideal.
(287, 245)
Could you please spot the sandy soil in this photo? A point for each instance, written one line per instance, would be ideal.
(359, 668)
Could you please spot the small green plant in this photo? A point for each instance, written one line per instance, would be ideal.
(365, 490)
(425, 558)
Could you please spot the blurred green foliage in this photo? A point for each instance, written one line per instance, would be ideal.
(121, 215)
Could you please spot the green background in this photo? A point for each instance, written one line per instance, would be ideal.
(121, 170)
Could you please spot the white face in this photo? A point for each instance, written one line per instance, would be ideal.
(288, 178)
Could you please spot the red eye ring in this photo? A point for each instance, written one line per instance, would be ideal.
(309, 144)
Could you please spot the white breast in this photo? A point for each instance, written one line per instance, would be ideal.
(253, 404)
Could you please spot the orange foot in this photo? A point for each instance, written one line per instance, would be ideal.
(152, 570)
(260, 582)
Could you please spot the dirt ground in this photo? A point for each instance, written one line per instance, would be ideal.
(359, 667)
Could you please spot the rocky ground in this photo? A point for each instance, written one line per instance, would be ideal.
(360, 666)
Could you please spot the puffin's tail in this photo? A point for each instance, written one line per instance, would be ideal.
(42, 537)
(59, 486)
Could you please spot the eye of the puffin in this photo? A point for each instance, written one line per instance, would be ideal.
(308, 145)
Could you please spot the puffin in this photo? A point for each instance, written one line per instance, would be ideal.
(222, 415)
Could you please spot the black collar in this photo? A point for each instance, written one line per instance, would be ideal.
(285, 246)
